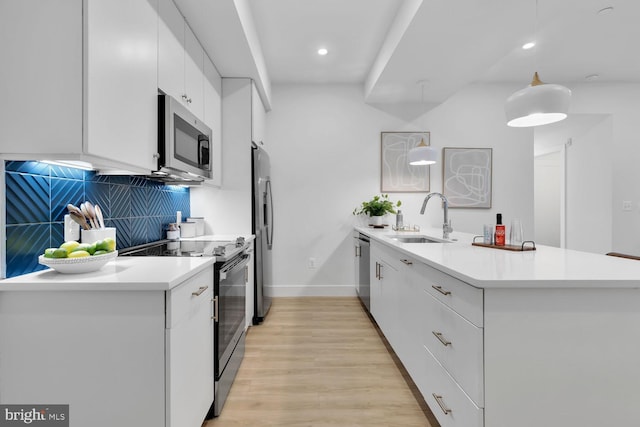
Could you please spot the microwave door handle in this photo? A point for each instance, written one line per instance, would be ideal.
(203, 150)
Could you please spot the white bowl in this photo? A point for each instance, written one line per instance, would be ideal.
(77, 265)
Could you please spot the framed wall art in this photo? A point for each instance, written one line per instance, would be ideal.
(467, 175)
(396, 175)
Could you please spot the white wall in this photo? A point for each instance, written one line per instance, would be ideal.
(622, 102)
(548, 183)
(227, 210)
(324, 143)
(589, 190)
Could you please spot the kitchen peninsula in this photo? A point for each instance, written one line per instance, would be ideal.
(497, 338)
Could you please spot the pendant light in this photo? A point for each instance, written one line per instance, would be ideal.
(539, 103)
(422, 154)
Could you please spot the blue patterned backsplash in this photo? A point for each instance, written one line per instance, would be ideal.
(37, 195)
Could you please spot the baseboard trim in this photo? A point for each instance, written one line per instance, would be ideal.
(313, 291)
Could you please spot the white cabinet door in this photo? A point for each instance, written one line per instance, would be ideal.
(193, 72)
(171, 50)
(213, 117)
(190, 373)
(121, 48)
(41, 75)
(180, 59)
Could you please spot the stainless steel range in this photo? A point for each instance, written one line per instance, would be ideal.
(229, 298)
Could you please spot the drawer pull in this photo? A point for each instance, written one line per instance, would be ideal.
(441, 338)
(442, 291)
(441, 404)
(200, 290)
(406, 261)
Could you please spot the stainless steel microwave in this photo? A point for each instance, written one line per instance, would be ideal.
(184, 143)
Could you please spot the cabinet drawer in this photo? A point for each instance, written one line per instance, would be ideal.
(457, 344)
(446, 399)
(461, 297)
(182, 301)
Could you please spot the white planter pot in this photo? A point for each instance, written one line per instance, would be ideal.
(376, 220)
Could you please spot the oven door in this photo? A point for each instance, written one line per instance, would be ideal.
(230, 291)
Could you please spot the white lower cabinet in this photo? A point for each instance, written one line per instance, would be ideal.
(448, 402)
(505, 356)
(456, 343)
(415, 307)
(189, 340)
(118, 358)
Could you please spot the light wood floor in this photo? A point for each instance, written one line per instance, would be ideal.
(320, 362)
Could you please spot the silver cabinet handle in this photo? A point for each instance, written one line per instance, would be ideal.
(214, 300)
(441, 338)
(200, 290)
(377, 271)
(439, 289)
(184, 97)
(441, 404)
(380, 271)
(406, 261)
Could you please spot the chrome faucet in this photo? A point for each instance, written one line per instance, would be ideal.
(446, 227)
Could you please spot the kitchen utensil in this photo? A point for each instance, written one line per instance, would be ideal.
(99, 216)
(85, 213)
(92, 214)
(73, 208)
(79, 218)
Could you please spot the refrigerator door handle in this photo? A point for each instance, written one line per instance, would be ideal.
(270, 220)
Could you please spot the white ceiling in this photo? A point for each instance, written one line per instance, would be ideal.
(391, 45)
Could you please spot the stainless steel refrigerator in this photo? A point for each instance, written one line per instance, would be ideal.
(263, 229)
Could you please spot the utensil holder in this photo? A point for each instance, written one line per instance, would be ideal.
(95, 234)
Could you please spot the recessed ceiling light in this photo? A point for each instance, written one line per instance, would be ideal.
(592, 77)
(529, 45)
(605, 11)
(322, 51)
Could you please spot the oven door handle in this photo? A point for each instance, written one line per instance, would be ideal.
(225, 272)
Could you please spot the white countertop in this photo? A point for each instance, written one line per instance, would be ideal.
(123, 273)
(546, 267)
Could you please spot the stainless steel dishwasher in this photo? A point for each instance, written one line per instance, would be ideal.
(362, 270)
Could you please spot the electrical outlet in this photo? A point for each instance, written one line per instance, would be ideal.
(627, 205)
(312, 263)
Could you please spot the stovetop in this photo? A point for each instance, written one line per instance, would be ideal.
(223, 250)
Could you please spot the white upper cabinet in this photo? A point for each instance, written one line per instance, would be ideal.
(180, 59)
(82, 85)
(41, 75)
(213, 117)
(121, 80)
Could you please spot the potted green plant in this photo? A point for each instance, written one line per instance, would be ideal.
(377, 207)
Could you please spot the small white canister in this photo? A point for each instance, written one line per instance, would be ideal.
(187, 229)
(199, 221)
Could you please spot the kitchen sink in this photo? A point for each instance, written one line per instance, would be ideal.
(415, 239)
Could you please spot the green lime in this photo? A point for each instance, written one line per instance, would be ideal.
(69, 246)
(91, 248)
(101, 252)
(79, 254)
(107, 244)
(59, 253)
(48, 253)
